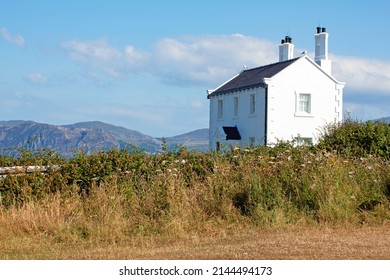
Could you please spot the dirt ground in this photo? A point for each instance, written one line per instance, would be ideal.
(273, 244)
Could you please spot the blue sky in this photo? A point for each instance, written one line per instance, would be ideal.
(146, 65)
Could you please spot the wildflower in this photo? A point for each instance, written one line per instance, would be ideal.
(183, 161)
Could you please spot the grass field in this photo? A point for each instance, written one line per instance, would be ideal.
(284, 202)
(356, 243)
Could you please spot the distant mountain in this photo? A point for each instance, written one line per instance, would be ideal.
(386, 119)
(197, 139)
(123, 135)
(88, 136)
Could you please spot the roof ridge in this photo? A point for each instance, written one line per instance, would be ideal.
(272, 64)
(253, 77)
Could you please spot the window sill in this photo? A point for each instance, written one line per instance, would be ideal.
(303, 115)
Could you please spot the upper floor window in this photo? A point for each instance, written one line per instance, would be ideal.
(235, 106)
(252, 108)
(220, 108)
(305, 103)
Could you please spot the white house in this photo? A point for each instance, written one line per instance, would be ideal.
(286, 100)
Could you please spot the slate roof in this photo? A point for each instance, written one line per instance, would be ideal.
(252, 78)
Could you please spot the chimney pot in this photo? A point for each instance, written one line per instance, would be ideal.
(323, 29)
(286, 49)
(318, 30)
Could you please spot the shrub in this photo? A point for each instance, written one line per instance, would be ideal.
(357, 139)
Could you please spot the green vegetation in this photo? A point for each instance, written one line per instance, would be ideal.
(112, 196)
(357, 139)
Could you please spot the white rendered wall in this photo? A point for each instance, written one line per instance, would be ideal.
(284, 120)
(249, 125)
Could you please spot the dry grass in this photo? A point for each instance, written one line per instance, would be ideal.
(280, 244)
(258, 204)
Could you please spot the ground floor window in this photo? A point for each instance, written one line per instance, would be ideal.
(304, 141)
(251, 141)
(218, 146)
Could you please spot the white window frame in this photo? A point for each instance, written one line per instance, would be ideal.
(305, 103)
(220, 109)
(235, 105)
(304, 141)
(302, 109)
(252, 104)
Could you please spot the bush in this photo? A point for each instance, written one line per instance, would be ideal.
(357, 139)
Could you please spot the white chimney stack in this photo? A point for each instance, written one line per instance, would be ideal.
(286, 49)
(321, 50)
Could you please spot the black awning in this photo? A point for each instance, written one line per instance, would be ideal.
(231, 133)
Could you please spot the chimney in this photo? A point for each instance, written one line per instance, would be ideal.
(321, 50)
(286, 49)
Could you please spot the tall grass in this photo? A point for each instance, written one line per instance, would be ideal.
(114, 196)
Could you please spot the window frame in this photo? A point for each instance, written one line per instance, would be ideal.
(220, 109)
(304, 103)
(300, 108)
(235, 106)
(252, 141)
(304, 141)
(252, 104)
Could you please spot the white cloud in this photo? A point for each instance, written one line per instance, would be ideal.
(197, 59)
(207, 59)
(101, 59)
(37, 78)
(363, 73)
(210, 60)
(11, 38)
(91, 51)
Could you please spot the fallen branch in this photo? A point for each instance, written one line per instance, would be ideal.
(16, 170)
